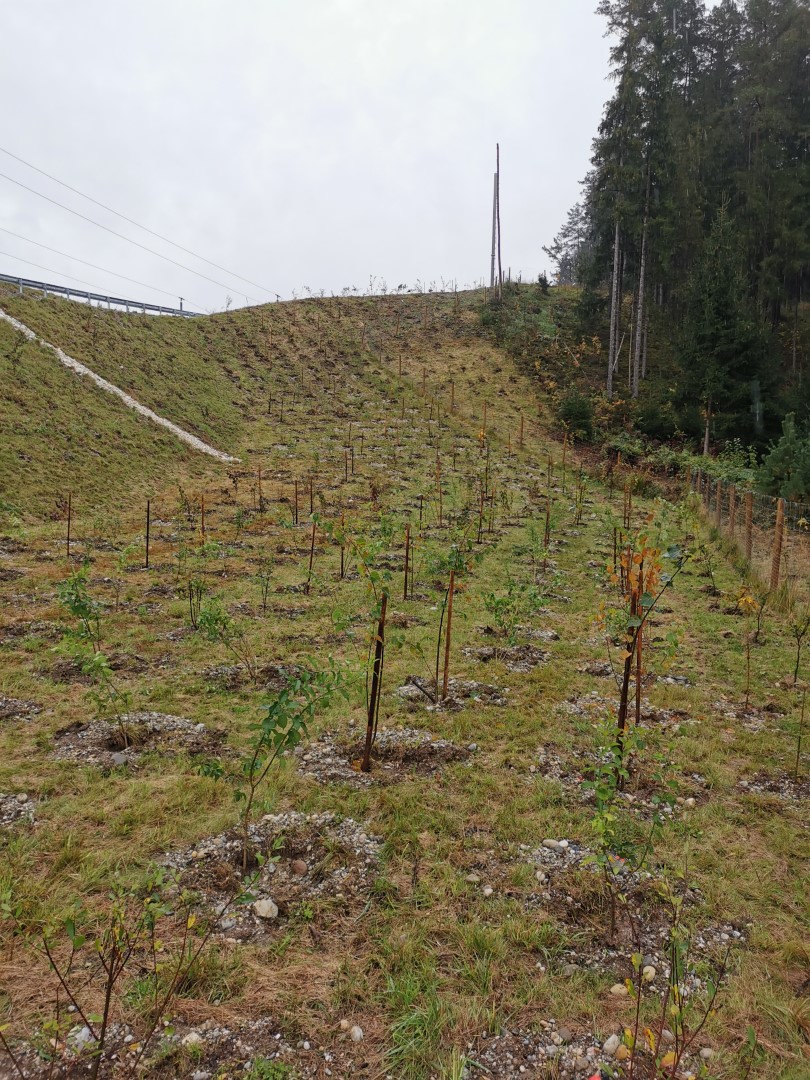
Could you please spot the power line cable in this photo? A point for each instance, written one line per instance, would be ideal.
(165, 239)
(48, 270)
(120, 236)
(84, 262)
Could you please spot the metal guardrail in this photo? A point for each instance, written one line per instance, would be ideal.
(110, 301)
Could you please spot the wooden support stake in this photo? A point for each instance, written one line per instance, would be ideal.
(778, 536)
(732, 511)
(295, 504)
(202, 520)
(407, 560)
(69, 519)
(148, 523)
(311, 560)
(376, 680)
(447, 634)
(749, 525)
(718, 505)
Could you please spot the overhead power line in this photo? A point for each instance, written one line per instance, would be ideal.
(120, 236)
(84, 262)
(49, 270)
(165, 239)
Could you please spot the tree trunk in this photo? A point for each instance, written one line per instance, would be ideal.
(641, 284)
(614, 310)
(706, 430)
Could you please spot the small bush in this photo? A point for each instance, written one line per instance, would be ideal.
(576, 412)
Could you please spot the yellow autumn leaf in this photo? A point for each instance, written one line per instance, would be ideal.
(191, 921)
(668, 1060)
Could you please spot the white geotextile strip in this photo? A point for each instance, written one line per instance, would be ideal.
(130, 402)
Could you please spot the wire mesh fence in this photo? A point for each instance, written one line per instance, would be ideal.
(771, 535)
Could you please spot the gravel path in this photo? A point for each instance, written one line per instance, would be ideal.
(130, 402)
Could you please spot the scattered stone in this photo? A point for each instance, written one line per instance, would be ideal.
(299, 867)
(265, 909)
(552, 845)
(356, 1034)
(15, 709)
(113, 743)
(611, 1045)
(487, 890)
(619, 990)
(706, 1053)
(194, 1038)
(15, 808)
(334, 758)
(648, 973)
(622, 1053)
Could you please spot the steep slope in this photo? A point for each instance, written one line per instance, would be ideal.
(245, 382)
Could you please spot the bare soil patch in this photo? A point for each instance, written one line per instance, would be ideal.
(418, 690)
(16, 709)
(15, 808)
(108, 743)
(306, 859)
(518, 659)
(396, 755)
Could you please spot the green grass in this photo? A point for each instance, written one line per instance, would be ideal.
(428, 962)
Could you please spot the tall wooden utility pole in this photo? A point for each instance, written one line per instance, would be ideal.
(498, 214)
(494, 229)
(496, 226)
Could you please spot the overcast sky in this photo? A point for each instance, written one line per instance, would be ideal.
(299, 143)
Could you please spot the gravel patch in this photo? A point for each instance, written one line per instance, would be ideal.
(396, 755)
(108, 743)
(306, 859)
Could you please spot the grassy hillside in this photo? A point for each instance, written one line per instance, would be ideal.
(244, 382)
(472, 906)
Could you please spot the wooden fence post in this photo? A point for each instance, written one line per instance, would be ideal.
(778, 534)
(749, 523)
(718, 509)
(148, 523)
(732, 510)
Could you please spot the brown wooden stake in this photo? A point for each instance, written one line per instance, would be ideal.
(148, 523)
(351, 452)
(421, 501)
(732, 511)
(452, 395)
(447, 634)
(376, 680)
(202, 520)
(69, 519)
(342, 546)
(295, 503)
(407, 560)
(718, 508)
(261, 497)
(311, 560)
(311, 495)
(424, 379)
(565, 451)
(778, 536)
(749, 525)
(400, 360)
(346, 466)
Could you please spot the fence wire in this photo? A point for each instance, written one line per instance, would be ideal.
(771, 535)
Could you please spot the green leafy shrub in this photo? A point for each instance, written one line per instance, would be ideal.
(576, 412)
(785, 471)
